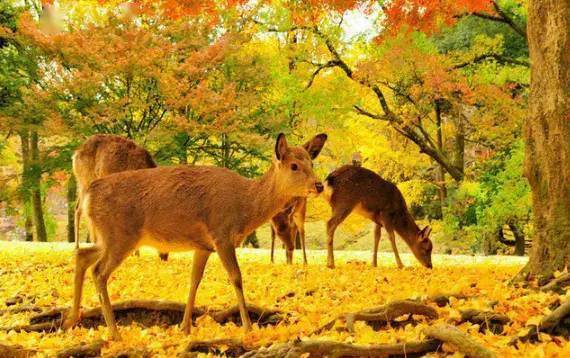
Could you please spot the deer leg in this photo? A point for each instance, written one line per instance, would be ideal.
(198, 265)
(77, 220)
(101, 273)
(392, 237)
(337, 218)
(377, 235)
(272, 243)
(228, 257)
(300, 224)
(84, 258)
(163, 256)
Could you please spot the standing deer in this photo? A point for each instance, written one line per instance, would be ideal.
(286, 224)
(352, 188)
(181, 208)
(100, 156)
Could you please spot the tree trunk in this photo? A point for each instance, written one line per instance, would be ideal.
(519, 240)
(35, 181)
(547, 133)
(441, 169)
(459, 150)
(25, 187)
(71, 200)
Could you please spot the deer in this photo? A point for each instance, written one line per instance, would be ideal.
(101, 155)
(354, 188)
(286, 225)
(202, 208)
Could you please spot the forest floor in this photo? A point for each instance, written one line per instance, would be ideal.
(37, 277)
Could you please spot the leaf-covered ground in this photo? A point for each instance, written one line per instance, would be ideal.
(313, 295)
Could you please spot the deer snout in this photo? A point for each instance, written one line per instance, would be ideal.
(319, 186)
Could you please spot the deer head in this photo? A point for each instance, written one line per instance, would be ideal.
(423, 246)
(294, 168)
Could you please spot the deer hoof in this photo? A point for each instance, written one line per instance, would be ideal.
(186, 328)
(115, 335)
(69, 323)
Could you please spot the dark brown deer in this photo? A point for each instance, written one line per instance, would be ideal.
(101, 155)
(286, 225)
(352, 188)
(181, 208)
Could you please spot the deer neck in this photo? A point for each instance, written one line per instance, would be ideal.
(407, 228)
(266, 198)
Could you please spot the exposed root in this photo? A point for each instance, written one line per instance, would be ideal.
(459, 339)
(226, 347)
(486, 320)
(82, 350)
(558, 284)
(314, 348)
(444, 300)
(557, 323)
(382, 315)
(146, 313)
(15, 351)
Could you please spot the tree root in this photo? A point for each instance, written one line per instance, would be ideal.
(486, 320)
(443, 300)
(558, 284)
(382, 315)
(316, 348)
(226, 347)
(146, 313)
(15, 351)
(459, 339)
(556, 323)
(82, 350)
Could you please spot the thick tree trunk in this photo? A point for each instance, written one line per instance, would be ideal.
(25, 187)
(547, 133)
(71, 199)
(35, 181)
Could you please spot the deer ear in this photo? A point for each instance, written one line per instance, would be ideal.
(315, 145)
(281, 146)
(424, 234)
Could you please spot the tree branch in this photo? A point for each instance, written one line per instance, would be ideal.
(500, 59)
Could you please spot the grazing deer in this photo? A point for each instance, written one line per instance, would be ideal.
(181, 208)
(352, 188)
(287, 224)
(100, 156)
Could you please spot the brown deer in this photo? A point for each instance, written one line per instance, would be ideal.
(101, 155)
(181, 208)
(353, 188)
(287, 224)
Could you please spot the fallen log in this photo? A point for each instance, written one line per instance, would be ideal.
(556, 323)
(147, 313)
(20, 309)
(315, 348)
(223, 346)
(381, 315)
(82, 350)
(463, 342)
(486, 320)
(15, 351)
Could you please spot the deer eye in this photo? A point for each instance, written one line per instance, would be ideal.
(294, 167)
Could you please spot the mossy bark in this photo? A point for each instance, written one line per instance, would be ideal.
(547, 134)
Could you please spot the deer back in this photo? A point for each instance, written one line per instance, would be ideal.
(102, 155)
